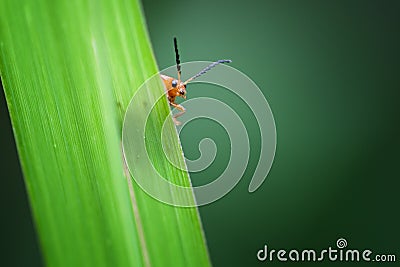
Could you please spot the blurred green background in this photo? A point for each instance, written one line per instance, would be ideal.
(330, 72)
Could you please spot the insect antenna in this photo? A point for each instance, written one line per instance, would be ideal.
(209, 67)
(178, 62)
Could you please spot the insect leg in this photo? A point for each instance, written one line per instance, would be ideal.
(179, 107)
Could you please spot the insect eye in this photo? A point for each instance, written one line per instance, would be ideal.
(174, 83)
(182, 92)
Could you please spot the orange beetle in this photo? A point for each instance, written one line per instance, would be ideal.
(175, 87)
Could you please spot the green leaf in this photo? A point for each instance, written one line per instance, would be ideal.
(69, 70)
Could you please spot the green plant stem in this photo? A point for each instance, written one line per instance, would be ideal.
(69, 69)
